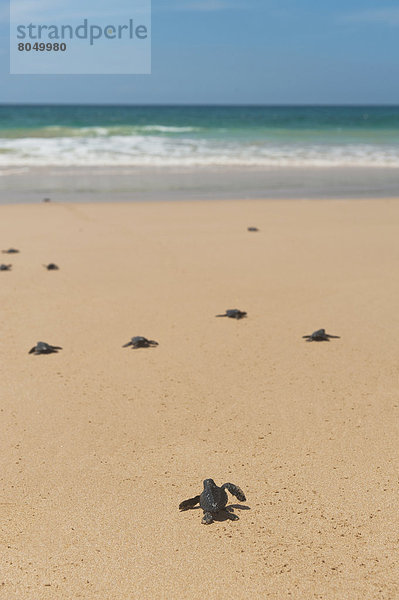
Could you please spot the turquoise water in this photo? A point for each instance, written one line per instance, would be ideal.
(188, 136)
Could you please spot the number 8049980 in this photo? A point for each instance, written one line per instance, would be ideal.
(42, 47)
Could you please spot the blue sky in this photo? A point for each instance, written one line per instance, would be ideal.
(241, 52)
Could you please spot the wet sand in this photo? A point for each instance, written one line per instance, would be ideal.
(126, 184)
(100, 443)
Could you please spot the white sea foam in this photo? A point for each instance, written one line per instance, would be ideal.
(98, 148)
(164, 129)
(110, 131)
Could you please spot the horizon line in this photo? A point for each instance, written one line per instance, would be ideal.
(208, 105)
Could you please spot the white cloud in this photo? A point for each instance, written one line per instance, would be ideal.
(386, 16)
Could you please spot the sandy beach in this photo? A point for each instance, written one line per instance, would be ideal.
(100, 443)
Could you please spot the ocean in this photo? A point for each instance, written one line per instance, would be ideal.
(190, 136)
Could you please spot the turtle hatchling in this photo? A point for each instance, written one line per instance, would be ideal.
(319, 336)
(10, 251)
(43, 348)
(213, 500)
(51, 267)
(5, 267)
(140, 342)
(252, 229)
(234, 313)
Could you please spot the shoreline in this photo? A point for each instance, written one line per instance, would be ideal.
(203, 183)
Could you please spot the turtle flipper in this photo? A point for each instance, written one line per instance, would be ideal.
(333, 336)
(231, 515)
(31, 351)
(190, 503)
(307, 336)
(220, 315)
(207, 519)
(126, 345)
(235, 491)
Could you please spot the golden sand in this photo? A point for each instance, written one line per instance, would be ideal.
(100, 443)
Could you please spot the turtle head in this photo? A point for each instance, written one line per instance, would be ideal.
(209, 483)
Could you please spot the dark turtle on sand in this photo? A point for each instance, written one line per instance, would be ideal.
(51, 267)
(140, 342)
(5, 267)
(46, 200)
(43, 348)
(320, 336)
(213, 500)
(252, 229)
(10, 251)
(234, 313)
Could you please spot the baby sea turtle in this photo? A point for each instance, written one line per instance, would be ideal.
(43, 348)
(213, 500)
(46, 199)
(10, 251)
(234, 313)
(319, 336)
(140, 342)
(51, 267)
(253, 229)
(5, 267)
